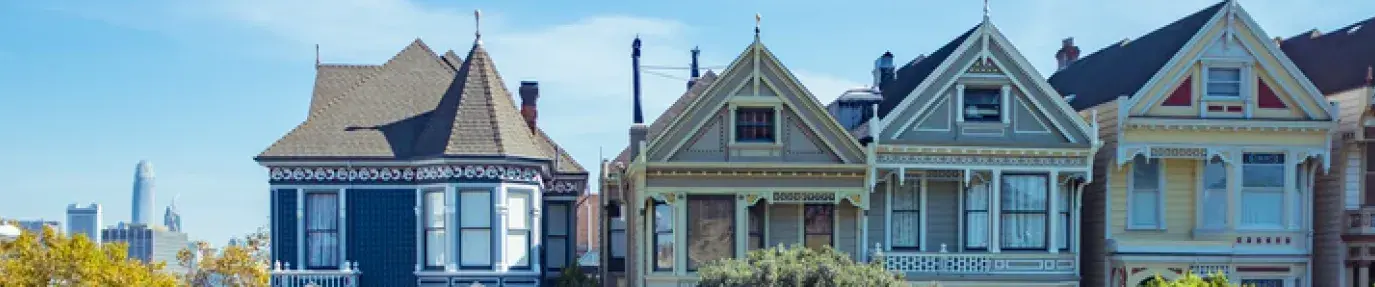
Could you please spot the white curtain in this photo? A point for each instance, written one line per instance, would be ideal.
(1214, 195)
(1145, 193)
(1262, 193)
(322, 229)
(906, 217)
(1023, 201)
(976, 218)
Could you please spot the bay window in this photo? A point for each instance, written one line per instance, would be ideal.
(556, 236)
(475, 228)
(757, 225)
(435, 239)
(663, 237)
(1262, 190)
(818, 222)
(518, 228)
(1214, 205)
(322, 229)
(976, 217)
(1145, 204)
(906, 219)
(1024, 202)
(710, 229)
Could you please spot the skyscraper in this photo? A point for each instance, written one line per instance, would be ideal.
(84, 220)
(150, 244)
(172, 218)
(143, 193)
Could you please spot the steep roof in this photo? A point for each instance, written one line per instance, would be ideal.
(911, 75)
(1123, 67)
(673, 111)
(477, 116)
(1336, 61)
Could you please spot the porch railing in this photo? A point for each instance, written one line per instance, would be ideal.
(1361, 221)
(345, 276)
(975, 263)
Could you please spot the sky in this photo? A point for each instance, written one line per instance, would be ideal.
(88, 88)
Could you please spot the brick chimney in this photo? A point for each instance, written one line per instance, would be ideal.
(529, 96)
(1067, 55)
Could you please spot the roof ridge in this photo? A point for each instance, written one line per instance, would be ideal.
(379, 68)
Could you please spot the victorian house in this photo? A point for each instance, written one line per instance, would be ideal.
(1213, 140)
(978, 164)
(420, 172)
(1340, 64)
(744, 160)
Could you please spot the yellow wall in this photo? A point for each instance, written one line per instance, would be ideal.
(1243, 138)
(1181, 178)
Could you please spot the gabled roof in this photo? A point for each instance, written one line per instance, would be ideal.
(657, 127)
(1123, 68)
(1336, 61)
(911, 75)
(477, 116)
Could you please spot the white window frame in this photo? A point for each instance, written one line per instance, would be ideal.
(1004, 116)
(491, 226)
(777, 119)
(919, 195)
(305, 227)
(1201, 199)
(1244, 91)
(1283, 191)
(1160, 195)
(529, 230)
(445, 212)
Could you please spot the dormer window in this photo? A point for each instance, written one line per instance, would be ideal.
(1224, 83)
(982, 105)
(754, 125)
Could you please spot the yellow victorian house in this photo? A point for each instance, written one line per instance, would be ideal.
(1212, 140)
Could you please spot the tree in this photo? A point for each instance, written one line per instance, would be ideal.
(796, 266)
(51, 258)
(242, 264)
(1191, 280)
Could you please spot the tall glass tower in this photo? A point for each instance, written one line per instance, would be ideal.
(143, 193)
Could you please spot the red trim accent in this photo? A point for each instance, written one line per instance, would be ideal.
(1268, 99)
(1182, 95)
(1214, 108)
(1234, 109)
(1138, 270)
(1262, 268)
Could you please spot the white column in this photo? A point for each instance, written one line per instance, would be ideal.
(742, 222)
(1005, 103)
(301, 229)
(1290, 190)
(921, 219)
(343, 229)
(995, 191)
(450, 228)
(499, 229)
(1363, 274)
(1233, 168)
(680, 236)
(1053, 215)
(536, 205)
(419, 228)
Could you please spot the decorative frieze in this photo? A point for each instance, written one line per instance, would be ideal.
(982, 160)
(804, 197)
(405, 174)
(954, 263)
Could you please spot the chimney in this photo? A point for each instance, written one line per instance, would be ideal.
(695, 74)
(1067, 55)
(529, 96)
(884, 72)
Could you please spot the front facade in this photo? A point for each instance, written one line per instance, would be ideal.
(421, 172)
(1340, 64)
(744, 160)
(1213, 140)
(978, 168)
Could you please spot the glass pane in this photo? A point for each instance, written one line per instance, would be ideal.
(556, 216)
(518, 249)
(323, 249)
(618, 244)
(906, 198)
(756, 242)
(1266, 175)
(976, 234)
(518, 207)
(1261, 208)
(816, 241)
(1228, 89)
(434, 207)
(1224, 74)
(663, 251)
(819, 219)
(1214, 208)
(976, 197)
(556, 252)
(322, 211)
(905, 229)
(756, 220)
(476, 247)
(1215, 175)
(1024, 192)
(1023, 231)
(663, 217)
(435, 253)
(1145, 208)
(982, 104)
(1062, 234)
(1065, 202)
(475, 209)
(711, 229)
(1145, 173)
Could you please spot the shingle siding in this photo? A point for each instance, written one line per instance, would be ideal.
(284, 227)
(382, 235)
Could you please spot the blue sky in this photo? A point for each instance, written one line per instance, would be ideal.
(89, 88)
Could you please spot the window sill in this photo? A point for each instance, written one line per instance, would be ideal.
(756, 145)
(1208, 99)
(1146, 229)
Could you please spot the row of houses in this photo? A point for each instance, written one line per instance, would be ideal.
(1205, 146)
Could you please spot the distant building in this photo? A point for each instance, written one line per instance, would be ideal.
(84, 219)
(150, 244)
(143, 193)
(37, 225)
(172, 218)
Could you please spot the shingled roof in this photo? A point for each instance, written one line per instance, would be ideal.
(1336, 61)
(416, 105)
(1122, 68)
(911, 75)
(673, 111)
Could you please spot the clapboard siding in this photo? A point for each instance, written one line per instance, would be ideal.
(284, 227)
(848, 229)
(942, 215)
(785, 224)
(877, 217)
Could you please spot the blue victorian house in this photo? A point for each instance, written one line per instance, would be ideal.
(420, 172)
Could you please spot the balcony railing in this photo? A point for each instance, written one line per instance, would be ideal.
(346, 276)
(1360, 221)
(976, 263)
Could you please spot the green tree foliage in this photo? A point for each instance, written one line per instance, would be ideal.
(796, 266)
(53, 259)
(234, 265)
(1191, 280)
(573, 276)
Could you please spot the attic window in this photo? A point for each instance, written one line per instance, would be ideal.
(982, 105)
(1224, 82)
(754, 125)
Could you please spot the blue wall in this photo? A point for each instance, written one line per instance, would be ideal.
(381, 235)
(284, 227)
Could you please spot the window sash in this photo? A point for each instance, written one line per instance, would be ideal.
(818, 225)
(976, 217)
(475, 229)
(1260, 207)
(1024, 211)
(756, 226)
(475, 249)
(1224, 82)
(982, 105)
(518, 228)
(710, 229)
(906, 218)
(1144, 193)
(322, 229)
(662, 252)
(1214, 204)
(436, 241)
(1066, 231)
(754, 124)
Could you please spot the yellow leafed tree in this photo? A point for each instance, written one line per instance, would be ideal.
(53, 259)
(235, 265)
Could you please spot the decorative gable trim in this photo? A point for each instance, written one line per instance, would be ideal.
(1266, 97)
(1183, 94)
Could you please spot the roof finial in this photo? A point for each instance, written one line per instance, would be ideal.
(757, 18)
(985, 10)
(477, 26)
(317, 56)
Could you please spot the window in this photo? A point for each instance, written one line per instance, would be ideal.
(1262, 190)
(1145, 208)
(1224, 82)
(556, 237)
(754, 125)
(1024, 202)
(818, 221)
(976, 217)
(475, 228)
(982, 105)
(710, 229)
(322, 230)
(906, 219)
(663, 236)
(757, 225)
(518, 227)
(618, 244)
(435, 242)
(1064, 224)
(1214, 205)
